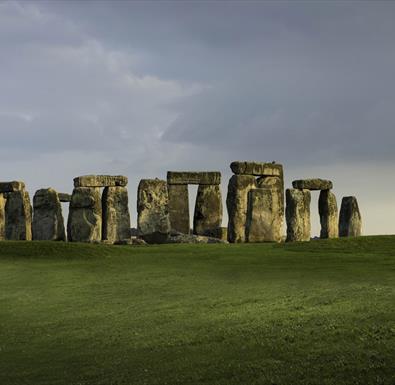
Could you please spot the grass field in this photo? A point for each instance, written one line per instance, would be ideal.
(311, 313)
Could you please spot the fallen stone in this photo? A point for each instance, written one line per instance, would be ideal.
(18, 216)
(350, 221)
(179, 207)
(189, 238)
(312, 184)
(85, 215)
(327, 208)
(257, 168)
(2, 217)
(13, 186)
(264, 216)
(139, 242)
(191, 177)
(100, 181)
(48, 223)
(298, 215)
(219, 233)
(116, 216)
(208, 209)
(237, 205)
(153, 222)
(64, 197)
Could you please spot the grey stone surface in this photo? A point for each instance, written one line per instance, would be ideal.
(350, 220)
(85, 215)
(189, 238)
(2, 217)
(257, 168)
(64, 197)
(18, 216)
(153, 221)
(194, 177)
(208, 209)
(100, 181)
(298, 215)
(327, 208)
(179, 207)
(48, 223)
(237, 204)
(116, 216)
(312, 184)
(12, 186)
(264, 216)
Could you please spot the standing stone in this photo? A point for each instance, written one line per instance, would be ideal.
(179, 207)
(2, 217)
(48, 223)
(85, 215)
(153, 221)
(116, 216)
(350, 221)
(208, 209)
(264, 218)
(237, 204)
(298, 215)
(327, 208)
(18, 216)
(276, 184)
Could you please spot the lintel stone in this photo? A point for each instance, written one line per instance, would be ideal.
(256, 168)
(312, 184)
(194, 177)
(100, 181)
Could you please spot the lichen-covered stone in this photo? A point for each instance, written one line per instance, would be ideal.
(48, 223)
(237, 204)
(298, 215)
(194, 177)
(116, 216)
(327, 208)
(179, 207)
(2, 217)
(189, 238)
(208, 209)
(18, 216)
(256, 168)
(350, 221)
(64, 197)
(85, 215)
(312, 184)
(100, 181)
(264, 216)
(12, 186)
(275, 183)
(153, 222)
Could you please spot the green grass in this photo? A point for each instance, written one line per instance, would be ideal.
(311, 313)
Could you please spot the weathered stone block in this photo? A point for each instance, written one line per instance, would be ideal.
(276, 184)
(153, 221)
(264, 216)
(256, 168)
(208, 209)
(179, 207)
(237, 204)
(2, 217)
(48, 223)
(116, 216)
(85, 215)
(18, 216)
(327, 208)
(64, 197)
(312, 184)
(6, 187)
(100, 181)
(298, 215)
(191, 177)
(350, 221)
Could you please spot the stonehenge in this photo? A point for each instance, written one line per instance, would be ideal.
(350, 221)
(255, 216)
(48, 223)
(99, 209)
(153, 222)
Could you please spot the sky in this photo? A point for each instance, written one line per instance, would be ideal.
(140, 88)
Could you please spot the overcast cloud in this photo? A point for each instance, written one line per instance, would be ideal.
(140, 88)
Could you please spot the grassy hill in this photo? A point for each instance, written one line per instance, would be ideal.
(311, 313)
